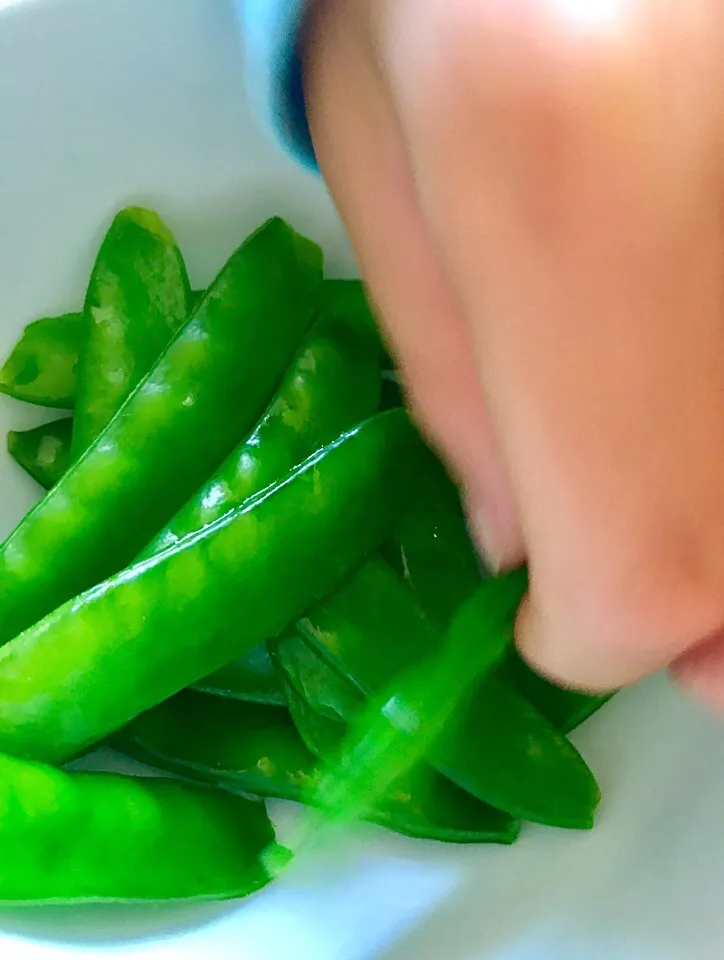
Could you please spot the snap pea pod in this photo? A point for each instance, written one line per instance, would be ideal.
(146, 633)
(348, 298)
(322, 707)
(405, 721)
(137, 298)
(432, 551)
(89, 837)
(500, 748)
(43, 452)
(248, 748)
(234, 744)
(250, 677)
(210, 385)
(332, 383)
(42, 367)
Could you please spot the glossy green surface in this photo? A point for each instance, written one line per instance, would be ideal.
(75, 837)
(498, 744)
(43, 452)
(254, 749)
(372, 630)
(42, 367)
(332, 383)
(146, 633)
(137, 298)
(208, 387)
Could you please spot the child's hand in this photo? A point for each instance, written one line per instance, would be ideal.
(534, 190)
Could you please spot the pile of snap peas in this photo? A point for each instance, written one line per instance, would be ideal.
(243, 540)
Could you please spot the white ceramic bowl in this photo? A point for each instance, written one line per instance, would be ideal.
(106, 102)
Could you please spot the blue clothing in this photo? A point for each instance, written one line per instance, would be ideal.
(271, 28)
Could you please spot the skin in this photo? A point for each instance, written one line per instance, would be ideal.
(545, 248)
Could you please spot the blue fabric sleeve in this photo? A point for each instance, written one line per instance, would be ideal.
(271, 28)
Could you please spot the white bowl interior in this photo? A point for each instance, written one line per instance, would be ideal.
(109, 102)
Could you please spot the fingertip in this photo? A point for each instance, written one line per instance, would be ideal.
(564, 659)
(494, 529)
(700, 672)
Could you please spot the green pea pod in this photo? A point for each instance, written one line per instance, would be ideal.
(247, 748)
(42, 367)
(137, 298)
(250, 677)
(210, 384)
(146, 633)
(372, 630)
(43, 452)
(563, 793)
(332, 384)
(405, 721)
(420, 803)
(432, 551)
(89, 837)
(347, 298)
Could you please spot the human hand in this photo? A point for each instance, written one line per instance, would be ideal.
(534, 192)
